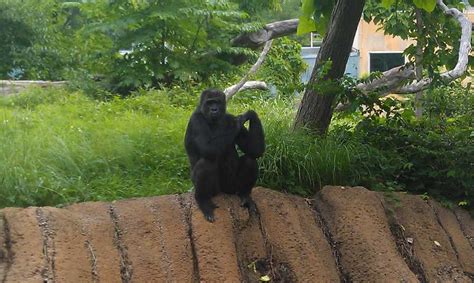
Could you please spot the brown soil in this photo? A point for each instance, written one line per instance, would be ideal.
(344, 234)
(467, 224)
(361, 230)
(431, 243)
(458, 240)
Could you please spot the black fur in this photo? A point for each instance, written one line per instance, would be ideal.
(211, 138)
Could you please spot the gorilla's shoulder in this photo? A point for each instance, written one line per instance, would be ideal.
(229, 119)
(197, 116)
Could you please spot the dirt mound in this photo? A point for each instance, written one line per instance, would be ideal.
(344, 234)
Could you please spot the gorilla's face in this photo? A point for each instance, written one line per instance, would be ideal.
(213, 105)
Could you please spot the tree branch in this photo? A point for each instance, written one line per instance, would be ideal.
(230, 91)
(261, 85)
(269, 32)
(393, 79)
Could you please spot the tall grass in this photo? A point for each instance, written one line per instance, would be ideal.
(58, 147)
(301, 163)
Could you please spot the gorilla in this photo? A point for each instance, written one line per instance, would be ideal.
(211, 138)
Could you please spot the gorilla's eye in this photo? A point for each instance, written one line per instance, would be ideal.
(212, 101)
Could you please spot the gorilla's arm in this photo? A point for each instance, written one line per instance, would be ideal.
(202, 142)
(251, 141)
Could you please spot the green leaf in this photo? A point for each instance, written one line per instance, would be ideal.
(307, 9)
(305, 25)
(315, 15)
(387, 3)
(427, 5)
(67, 5)
(451, 173)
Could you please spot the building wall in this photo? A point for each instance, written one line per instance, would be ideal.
(469, 12)
(368, 39)
(309, 55)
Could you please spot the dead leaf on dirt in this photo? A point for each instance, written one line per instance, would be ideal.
(252, 266)
(437, 243)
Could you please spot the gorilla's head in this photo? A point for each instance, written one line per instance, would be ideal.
(212, 105)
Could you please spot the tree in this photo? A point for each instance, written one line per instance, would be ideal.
(443, 47)
(315, 111)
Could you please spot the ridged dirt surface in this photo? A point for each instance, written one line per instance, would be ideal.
(343, 234)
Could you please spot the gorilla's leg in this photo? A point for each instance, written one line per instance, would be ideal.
(206, 185)
(246, 178)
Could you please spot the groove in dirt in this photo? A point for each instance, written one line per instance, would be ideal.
(7, 255)
(463, 229)
(187, 216)
(451, 242)
(49, 251)
(93, 261)
(404, 248)
(268, 245)
(126, 270)
(165, 259)
(280, 271)
(236, 227)
(321, 222)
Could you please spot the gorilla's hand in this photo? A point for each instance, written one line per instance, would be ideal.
(247, 116)
(240, 120)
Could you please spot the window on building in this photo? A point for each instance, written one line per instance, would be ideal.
(385, 61)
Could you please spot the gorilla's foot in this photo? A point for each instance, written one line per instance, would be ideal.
(209, 217)
(247, 201)
(207, 207)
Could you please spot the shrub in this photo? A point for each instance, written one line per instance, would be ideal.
(432, 155)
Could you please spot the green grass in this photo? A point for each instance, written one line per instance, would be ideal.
(58, 147)
(300, 163)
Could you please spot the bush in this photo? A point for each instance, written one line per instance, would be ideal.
(433, 155)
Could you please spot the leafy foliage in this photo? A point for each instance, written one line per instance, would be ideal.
(438, 37)
(12, 30)
(166, 43)
(283, 67)
(315, 14)
(432, 155)
(123, 45)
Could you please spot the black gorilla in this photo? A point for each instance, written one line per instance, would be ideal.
(211, 138)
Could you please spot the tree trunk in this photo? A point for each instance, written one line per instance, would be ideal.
(315, 111)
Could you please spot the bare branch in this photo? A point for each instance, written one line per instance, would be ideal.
(389, 81)
(230, 91)
(261, 85)
(270, 31)
(464, 44)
